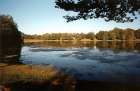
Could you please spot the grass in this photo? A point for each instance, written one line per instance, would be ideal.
(34, 78)
(28, 73)
(38, 77)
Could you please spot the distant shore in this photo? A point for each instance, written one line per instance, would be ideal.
(83, 40)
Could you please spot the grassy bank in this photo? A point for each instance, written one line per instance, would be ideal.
(32, 76)
(48, 78)
(13, 73)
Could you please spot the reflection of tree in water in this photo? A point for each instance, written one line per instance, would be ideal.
(10, 40)
(107, 52)
(118, 46)
(137, 46)
(63, 44)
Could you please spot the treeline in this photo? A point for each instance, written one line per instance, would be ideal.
(115, 34)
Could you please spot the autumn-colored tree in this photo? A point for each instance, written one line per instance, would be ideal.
(90, 36)
(137, 34)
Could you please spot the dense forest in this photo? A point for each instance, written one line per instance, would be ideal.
(115, 34)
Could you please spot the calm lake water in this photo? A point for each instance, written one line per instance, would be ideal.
(100, 61)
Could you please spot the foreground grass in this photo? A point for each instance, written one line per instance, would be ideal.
(28, 73)
(48, 78)
(29, 77)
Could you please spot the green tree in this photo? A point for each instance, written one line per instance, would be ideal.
(10, 39)
(117, 10)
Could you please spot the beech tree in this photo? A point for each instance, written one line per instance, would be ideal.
(116, 10)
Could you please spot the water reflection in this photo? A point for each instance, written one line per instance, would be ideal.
(62, 44)
(113, 45)
(9, 54)
(9, 50)
(101, 61)
(103, 64)
(117, 46)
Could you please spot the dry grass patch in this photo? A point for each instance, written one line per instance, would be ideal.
(13, 73)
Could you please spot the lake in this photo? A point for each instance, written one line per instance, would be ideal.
(115, 61)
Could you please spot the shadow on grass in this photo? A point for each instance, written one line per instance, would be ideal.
(34, 78)
(48, 78)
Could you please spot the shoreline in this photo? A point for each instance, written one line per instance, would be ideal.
(39, 40)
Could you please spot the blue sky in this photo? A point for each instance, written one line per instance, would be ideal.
(40, 16)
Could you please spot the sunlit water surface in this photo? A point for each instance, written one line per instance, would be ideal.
(88, 61)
